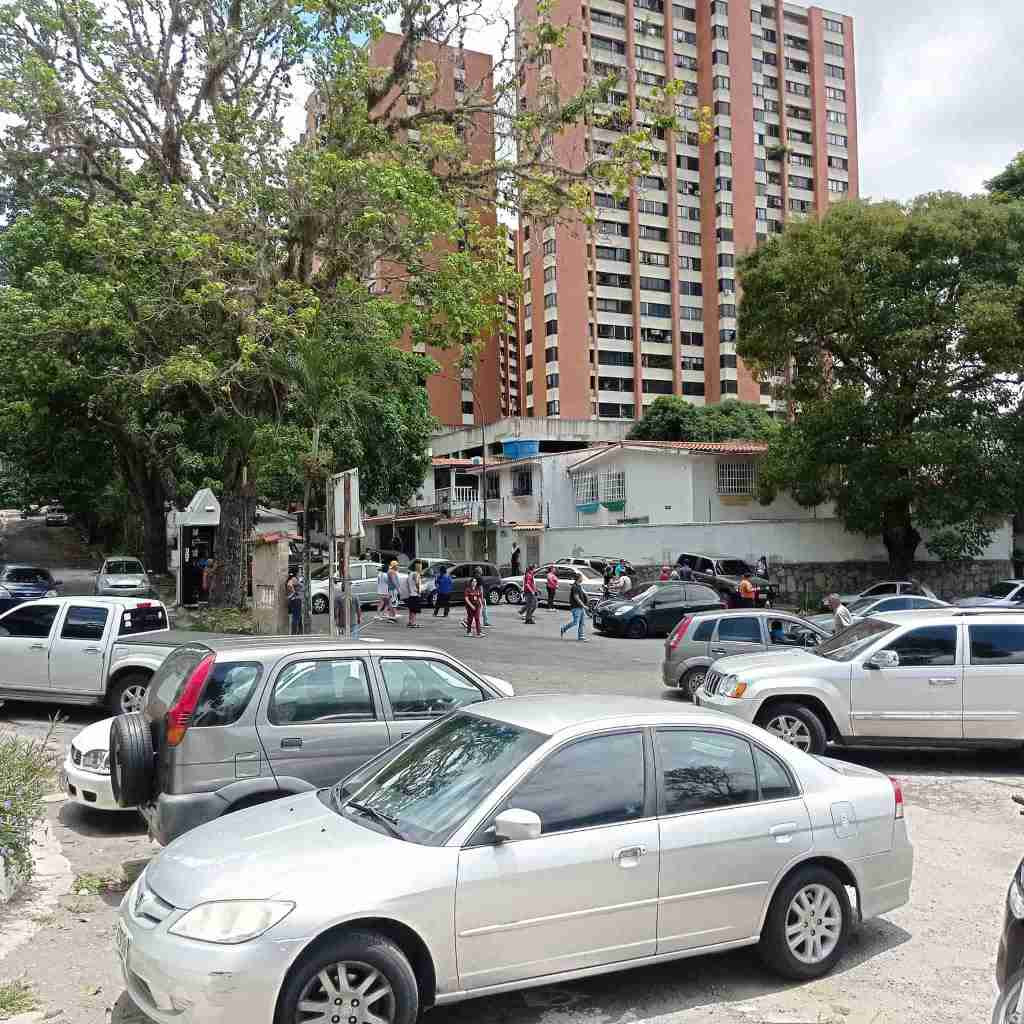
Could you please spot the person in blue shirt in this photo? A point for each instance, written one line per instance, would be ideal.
(444, 592)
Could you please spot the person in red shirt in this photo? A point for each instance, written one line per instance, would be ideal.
(529, 595)
(474, 599)
(552, 584)
(666, 573)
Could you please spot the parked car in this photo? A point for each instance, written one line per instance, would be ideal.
(462, 573)
(868, 606)
(940, 677)
(1004, 594)
(1010, 954)
(20, 583)
(593, 583)
(56, 516)
(83, 650)
(123, 576)
(30, 512)
(85, 775)
(363, 578)
(700, 639)
(883, 589)
(723, 574)
(598, 563)
(231, 721)
(555, 844)
(654, 609)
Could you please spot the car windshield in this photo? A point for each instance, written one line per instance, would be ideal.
(588, 574)
(733, 567)
(432, 785)
(27, 576)
(845, 646)
(858, 606)
(998, 590)
(642, 592)
(124, 567)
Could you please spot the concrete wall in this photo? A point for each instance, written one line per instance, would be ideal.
(539, 428)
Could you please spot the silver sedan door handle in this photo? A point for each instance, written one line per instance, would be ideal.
(719, 650)
(783, 833)
(38, 647)
(942, 681)
(92, 650)
(629, 856)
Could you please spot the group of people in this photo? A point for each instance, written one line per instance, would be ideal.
(578, 602)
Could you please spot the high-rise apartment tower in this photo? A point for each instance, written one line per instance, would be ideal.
(644, 303)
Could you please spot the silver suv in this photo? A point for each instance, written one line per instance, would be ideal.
(702, 638)
(231, 722)
(942, 677)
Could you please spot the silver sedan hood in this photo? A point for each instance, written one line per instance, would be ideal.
(273, 851)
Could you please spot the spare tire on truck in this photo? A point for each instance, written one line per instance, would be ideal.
(131, 760)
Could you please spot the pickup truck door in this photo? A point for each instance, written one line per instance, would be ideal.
(78, 649)
(24, 645)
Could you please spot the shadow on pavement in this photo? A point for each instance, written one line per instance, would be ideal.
(100, 824)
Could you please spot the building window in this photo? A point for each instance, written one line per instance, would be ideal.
(834, 185)
(691, 313)
(613, 485)
(653, 259)
(659, 310)
(834, 71)
(728, 387)
(693, 387)
(657, 387)
(839, 95)
(835, 116)
(467, 407)
(839, 163)
(585, 487)
(798, 88)
(695, 338)
(551, 354)
(615, 358)
(522, 483)
(834, 49)
(655, 284)
(831, 25)
(553, 407)
(837, 140)
(726, 309)
(614, 255)
(550, 300)
(690, 263)
(549, 247)
(727, 361)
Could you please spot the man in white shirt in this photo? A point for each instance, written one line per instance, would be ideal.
(624, 584)
(842, 617)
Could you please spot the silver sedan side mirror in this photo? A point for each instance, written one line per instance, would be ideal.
(516, 824)
(884, 659)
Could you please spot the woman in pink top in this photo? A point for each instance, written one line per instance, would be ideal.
(552, 584)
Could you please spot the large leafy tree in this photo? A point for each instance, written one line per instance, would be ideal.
(900, 332)
(207, 243)
(671, 418)
(1009, 183)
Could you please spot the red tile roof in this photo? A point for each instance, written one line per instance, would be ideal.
(443, 462)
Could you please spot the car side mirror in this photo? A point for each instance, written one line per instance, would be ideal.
(883, 659)
(515, 824)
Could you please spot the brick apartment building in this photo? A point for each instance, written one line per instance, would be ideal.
(644, 304)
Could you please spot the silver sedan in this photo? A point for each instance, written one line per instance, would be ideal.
(519, 842)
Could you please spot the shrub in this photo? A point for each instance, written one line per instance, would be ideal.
(26, 775)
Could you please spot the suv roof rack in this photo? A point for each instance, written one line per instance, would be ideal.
(988, 611)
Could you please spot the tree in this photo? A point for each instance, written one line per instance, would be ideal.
(671, 418)
(1009, 183)
(172, 112)
(899, 331)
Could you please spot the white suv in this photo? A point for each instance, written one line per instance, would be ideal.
(939, 677)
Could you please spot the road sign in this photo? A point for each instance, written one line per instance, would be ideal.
(348, 516)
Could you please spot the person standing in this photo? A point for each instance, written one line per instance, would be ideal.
(841, 614)
(294, 599)
(578, 605)
(552, 586)
(747, 594)
(478, 575)
(383, 604)
(515, 559)
(623, 585)
(415, 584)
(355, 612)
(474, 599)
(762, 567)
(666, 574)
(529, 595)
(394, 591)
(685, 570)
(444, 592)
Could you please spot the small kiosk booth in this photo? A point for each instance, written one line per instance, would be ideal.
(197, 532)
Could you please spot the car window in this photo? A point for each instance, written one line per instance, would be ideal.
(566, 574)
(169, 679)
(705, 630)
(893, 604)
(594, 781)
(670, 597)
(83, 623)
(774, 781)
(702, 771)
(997, 644)
(845, 646)
(32, 620)
(123, 567)
(226, 693)
(421, 686)
(881, 588)
(26, 576)
(704, 565)
(321, 691)
(461, 572)
(734, 567)
(1000, 590)
(923, 602)
(702, 595)
(144, 618)
(928, 645)
(744, 629)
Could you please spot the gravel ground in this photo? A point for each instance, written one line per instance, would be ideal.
(931, 960)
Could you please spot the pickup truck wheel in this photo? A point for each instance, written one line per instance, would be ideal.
(131, 760)
(796, 725)
(128, 695)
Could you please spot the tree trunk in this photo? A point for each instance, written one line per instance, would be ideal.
(900, 538)
(154, 536)
(231, 573)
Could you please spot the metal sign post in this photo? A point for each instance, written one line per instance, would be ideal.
(346, 513)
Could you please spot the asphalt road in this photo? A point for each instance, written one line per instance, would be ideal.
(931, 960)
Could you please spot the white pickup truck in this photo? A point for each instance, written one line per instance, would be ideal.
(79, 650)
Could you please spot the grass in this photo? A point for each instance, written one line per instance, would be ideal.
(96, 885)
(15, 997)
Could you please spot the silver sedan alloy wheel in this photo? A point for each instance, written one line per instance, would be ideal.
(133, 698)
(791, 730)
(347, 993)
(814, 923)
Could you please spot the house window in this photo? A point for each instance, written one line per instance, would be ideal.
(613, 486)
(522, 483)
(737, 477)
(585, 486)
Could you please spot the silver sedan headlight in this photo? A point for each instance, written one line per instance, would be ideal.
(97, 760)
(230, 922)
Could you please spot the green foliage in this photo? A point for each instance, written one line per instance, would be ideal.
(16, 997)
(671, 418)
(1009, 183)
(902, 329)
(26, 776)
(224, 620)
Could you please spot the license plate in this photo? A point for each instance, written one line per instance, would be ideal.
(122, 943)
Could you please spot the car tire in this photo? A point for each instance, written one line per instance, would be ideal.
(128, 695)
(131, 760)
(319, 604)
(513, 595)
(797, 725)
(692, 681)
(493, 596)
(361, 952)
(794, 955)
(637, 629)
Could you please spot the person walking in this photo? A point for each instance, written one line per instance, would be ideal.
(444, 592)
(355, 612)
(394, 591)
(529, 596)
(841, 614)
(515, 559)
(414, 582)
(383, 604)
(578, 605)
(474, 599)
(747, 594)
(294, 599)
(552, 585)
